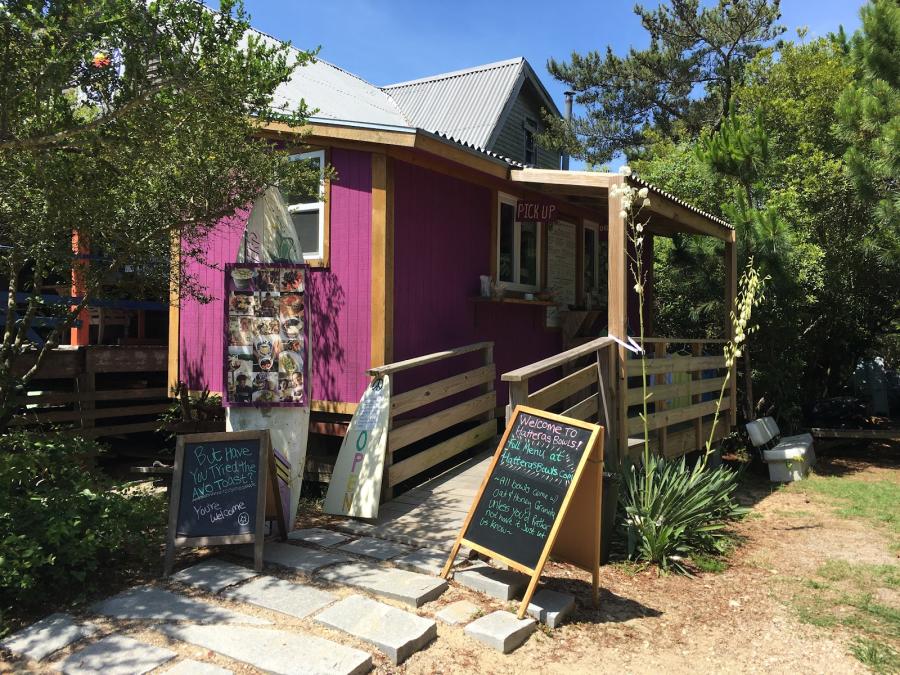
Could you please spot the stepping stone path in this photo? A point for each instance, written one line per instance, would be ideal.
(397, 633)
(214, 575)
(407, 587)
(458, 612)
(48, 635)
(191, 667)
(282, 596)
(380, 549)
(550, 607)
(116, 655)
(501, 630)
(500, 584)
(425, 560)
(148, 603)
(398, 572)
(276, 651)
(299, 558)
(319, 536)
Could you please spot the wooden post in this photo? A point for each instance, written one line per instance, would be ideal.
(382, 350)
(80, 335)
(489, 386)
(617, 313)
(696, 376)
(387, 490)
(518, 395)
(174, 314)
(659, 351)
(730, 300)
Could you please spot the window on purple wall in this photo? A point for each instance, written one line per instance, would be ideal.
(518, 249)
(308, 215)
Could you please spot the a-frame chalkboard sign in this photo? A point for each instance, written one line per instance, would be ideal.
(220, 488)
(541, 496)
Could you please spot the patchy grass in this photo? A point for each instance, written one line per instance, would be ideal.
(707, 563)
(879, 657)
(873, 501)
(847, 595)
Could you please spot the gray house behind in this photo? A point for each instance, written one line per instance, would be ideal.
(494, 107)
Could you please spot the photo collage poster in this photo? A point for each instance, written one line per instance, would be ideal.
(266, 335)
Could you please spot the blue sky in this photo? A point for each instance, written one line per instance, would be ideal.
(386, 41)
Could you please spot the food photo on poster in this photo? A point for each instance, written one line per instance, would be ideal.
(266, 335)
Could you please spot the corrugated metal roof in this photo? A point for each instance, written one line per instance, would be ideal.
(479, 150)
(336, 94)
(464, 104)
(636, 180)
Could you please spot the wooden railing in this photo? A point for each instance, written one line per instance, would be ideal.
(679, 418)
(421, 433)
(581, 388)
(98, 391)
(683, 389)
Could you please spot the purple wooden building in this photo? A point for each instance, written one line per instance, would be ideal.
(429, 174)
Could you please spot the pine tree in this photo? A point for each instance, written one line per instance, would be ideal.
(868, 111)
(690, 48)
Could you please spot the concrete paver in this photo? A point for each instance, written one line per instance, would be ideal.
(116, 655)
(380, 549)
(46, 636)
(458, 612)
(191, 667)
(501, 630)
(408, 587)
(276, 651)
(298, 600)
(320, 536)
(213, 575)
(299, 558)
(550, 607)
(149, 603)
(500, 584)
(397, 633)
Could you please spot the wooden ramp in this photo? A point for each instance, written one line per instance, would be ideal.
(431, 514)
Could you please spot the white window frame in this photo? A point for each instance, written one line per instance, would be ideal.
(517, 249)
(595, 228)
(314, 206)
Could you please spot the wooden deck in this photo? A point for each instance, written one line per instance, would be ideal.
(431, 514)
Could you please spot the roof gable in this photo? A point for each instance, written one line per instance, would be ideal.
(467, 105)
(335, 94)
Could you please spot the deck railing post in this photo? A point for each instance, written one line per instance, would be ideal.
(659, 352)
(518, 395)
(489, 386)
(696, 376)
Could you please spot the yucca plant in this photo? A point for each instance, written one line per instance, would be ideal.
(672, 511)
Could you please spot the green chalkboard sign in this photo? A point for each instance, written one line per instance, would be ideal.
(544, 464)
(219, 490)
(527, 486)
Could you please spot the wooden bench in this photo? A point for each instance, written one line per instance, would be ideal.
(789, 457)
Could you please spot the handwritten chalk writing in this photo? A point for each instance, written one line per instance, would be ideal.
(533, 473)
(219, 485)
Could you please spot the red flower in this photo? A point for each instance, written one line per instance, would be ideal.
(101, 60)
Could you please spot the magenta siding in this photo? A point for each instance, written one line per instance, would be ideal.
(201, 329)
(339, 296)
(442, 229)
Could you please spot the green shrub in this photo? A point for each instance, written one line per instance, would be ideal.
(63, 529)
(672, 511)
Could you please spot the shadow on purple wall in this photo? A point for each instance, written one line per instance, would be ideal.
(327, 299)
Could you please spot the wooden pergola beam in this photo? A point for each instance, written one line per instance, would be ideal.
(592, 179)
(616, 317)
